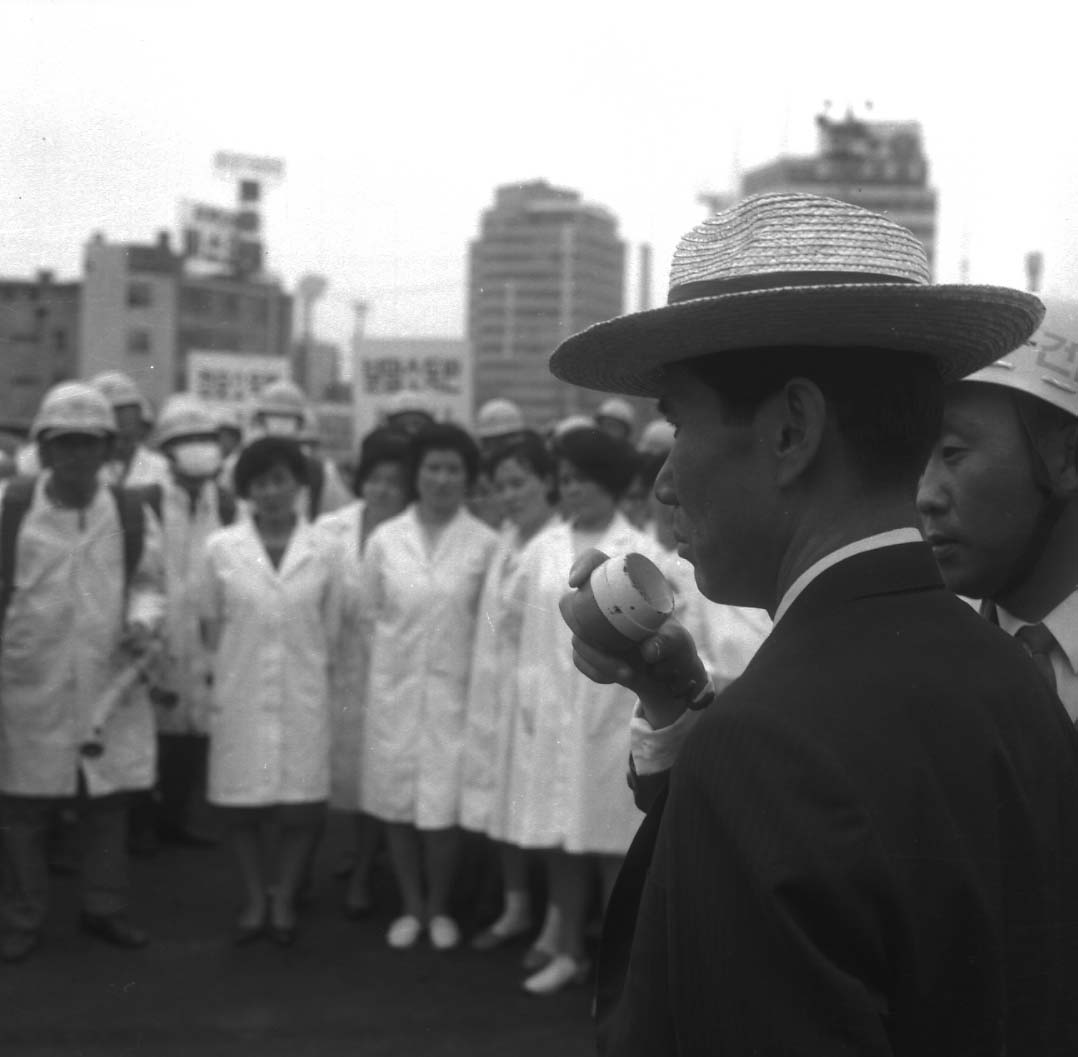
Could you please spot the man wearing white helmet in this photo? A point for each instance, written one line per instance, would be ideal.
(498, 422)
(657, 438)
(81, 601)
(409, 411)
(190, 506)
(131, 462)
(999, 497)
(616, 417)
(282, 410)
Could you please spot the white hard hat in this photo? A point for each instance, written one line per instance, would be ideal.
(657, 438)
(228, 418)
(406, 401)
(74, 407)
(572, 422)
(118, 389)
(281, 398)
(184, 415)
(1047, 365)
(496, 418)
(617, 409)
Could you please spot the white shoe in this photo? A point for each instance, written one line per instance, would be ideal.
(561, 972)
(404, 932)
(444, 934)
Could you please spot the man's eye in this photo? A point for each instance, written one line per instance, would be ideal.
(950, 452)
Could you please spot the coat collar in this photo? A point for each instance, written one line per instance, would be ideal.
(901, 568)
(301, 548)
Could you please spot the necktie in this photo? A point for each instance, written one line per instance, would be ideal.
(1039, 642)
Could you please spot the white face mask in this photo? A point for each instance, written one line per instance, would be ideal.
(280, 425)
(197, 458)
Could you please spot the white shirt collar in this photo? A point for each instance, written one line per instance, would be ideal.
(1062, 622)
(870, 543)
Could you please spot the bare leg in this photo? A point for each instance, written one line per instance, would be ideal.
(246, 840)
(570, 877)
(405, 854)
(440, 851)
(368, 831)
(296, 848)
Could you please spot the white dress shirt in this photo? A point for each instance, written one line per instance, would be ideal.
(1062, 622)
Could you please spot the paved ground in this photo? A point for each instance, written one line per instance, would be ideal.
(338, 991)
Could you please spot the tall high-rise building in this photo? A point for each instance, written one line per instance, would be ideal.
(880, 165)
(545, 264)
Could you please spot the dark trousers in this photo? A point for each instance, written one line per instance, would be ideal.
(106, 880)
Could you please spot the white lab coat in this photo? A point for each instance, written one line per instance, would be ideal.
(567, 788)
(184, 536)
(423, 608)
(59, 652)
(349, 672)
(726, 637)
(269, 716)
(500, 665)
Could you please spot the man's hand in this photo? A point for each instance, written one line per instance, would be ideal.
(664, 671)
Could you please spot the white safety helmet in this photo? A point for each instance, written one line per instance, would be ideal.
(1046, 366)
(184, 415)
(571, 423)
(119, 390)
(617, 409)
(74, 407)
(657, 438)
(409, 401)
(281, 398)
(497, 418)
(226, 417)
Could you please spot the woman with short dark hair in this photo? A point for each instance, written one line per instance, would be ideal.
(419, 584)
(272, 597)
(382, 487)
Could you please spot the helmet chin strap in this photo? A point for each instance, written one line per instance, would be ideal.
(1051, 510)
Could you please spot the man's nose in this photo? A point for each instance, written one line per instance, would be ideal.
(931, 495)
(664, 485)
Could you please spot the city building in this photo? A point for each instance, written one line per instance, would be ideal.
(39, 339)
(129, 305)
(880, 165)
(544, 265)
(144, 311)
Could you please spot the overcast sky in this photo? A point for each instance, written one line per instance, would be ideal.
(396, 121)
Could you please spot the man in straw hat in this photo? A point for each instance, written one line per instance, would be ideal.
(868, 844)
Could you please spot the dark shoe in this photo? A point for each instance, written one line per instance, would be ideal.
(283, 935)
(114, 929)
(358, 911)
(143, 844)
(16, 947)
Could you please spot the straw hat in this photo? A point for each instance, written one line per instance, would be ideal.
(784, 270)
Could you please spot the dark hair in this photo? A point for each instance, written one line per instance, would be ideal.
(384, 444)
(444, 436)
(265, 454)
(647, 469)
(887, 405)
(609, 462)
(531, 451)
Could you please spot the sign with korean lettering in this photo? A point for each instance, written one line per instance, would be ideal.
(439, 369)
(209, 232)
(233, 379)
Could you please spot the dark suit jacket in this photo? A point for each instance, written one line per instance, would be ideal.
(868, 846)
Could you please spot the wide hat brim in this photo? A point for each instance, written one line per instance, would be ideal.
(961, 328)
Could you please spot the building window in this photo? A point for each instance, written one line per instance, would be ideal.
(139, 295)
(195, 300)
(59, 339)
(139, 342)
(230, 305)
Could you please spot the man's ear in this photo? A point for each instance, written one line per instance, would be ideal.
(798, 419)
